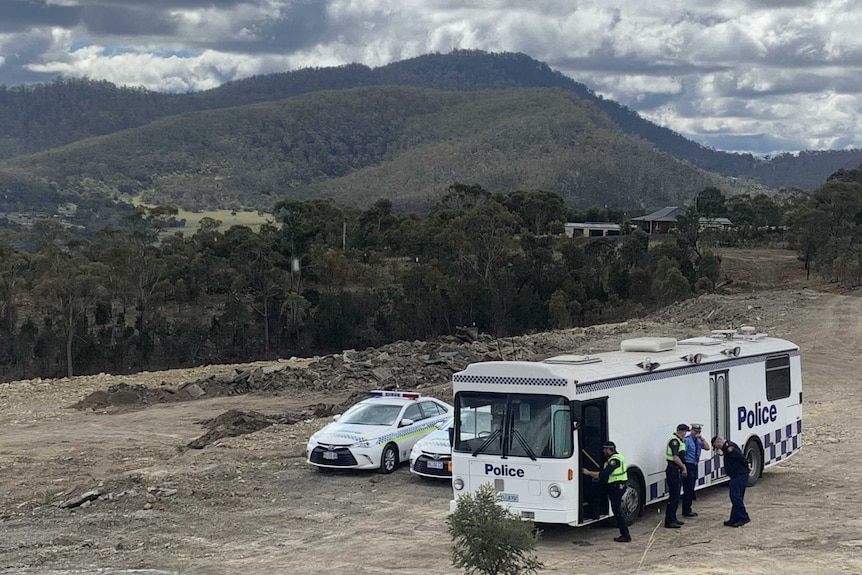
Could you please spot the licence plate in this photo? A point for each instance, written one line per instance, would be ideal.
(510, 497)
(435, 464)
(330, 455)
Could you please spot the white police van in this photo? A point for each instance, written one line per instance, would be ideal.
(550, 418)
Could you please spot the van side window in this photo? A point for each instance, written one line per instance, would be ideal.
(777, 378)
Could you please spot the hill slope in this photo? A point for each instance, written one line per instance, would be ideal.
(407, 144)
(40, 117)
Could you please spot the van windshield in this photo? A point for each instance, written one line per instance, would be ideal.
(519, 425)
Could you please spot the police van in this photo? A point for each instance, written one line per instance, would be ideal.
(550, 418)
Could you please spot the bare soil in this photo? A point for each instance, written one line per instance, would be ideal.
(120, 487)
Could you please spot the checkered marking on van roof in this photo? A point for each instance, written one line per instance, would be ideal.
(500, 380)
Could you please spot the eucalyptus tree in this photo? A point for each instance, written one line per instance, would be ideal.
(144, 267)
(68, 283)
(262, 271)
(14, 271)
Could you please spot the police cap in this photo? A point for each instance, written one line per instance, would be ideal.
(609, 445)
(682, 427)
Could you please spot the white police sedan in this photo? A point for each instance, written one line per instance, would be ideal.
(432, 455)
(378, 432)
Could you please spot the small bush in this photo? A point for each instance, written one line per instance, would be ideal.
(490, 539)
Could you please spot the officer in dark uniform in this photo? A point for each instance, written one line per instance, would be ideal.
(674, 472)
(615, 476)
(737, 468)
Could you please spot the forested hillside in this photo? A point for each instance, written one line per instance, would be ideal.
(39, 117)
(359, 145)
(322, 279)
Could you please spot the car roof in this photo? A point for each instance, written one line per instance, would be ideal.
(393, 400)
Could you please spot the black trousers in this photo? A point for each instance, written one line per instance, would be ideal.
(738, 513)
(615, 494)
(688, 484)
(674, 482)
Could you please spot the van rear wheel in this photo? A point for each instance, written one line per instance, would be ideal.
(754, 454)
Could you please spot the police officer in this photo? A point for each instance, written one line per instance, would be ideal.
(614, 475)
(694, 444)
(737, 468)
(674, 473)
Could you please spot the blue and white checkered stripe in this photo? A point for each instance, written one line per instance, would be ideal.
(780, 443)
(777, 445)
(501, 380)
(423, 426)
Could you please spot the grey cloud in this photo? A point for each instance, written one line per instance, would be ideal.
(127, 21)
(18, 15)
(301, 25)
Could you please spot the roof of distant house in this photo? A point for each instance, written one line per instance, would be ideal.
(668, 214)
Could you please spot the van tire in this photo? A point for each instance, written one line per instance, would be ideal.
(634, 497)
(753, 452)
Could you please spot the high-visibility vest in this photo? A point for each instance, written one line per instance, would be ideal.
(668, 455)
(619, 474)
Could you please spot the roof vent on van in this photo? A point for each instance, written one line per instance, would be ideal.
(650, 344)
(573, 359)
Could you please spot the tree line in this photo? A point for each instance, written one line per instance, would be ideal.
(321, 278)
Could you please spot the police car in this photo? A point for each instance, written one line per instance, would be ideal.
(432, 455)
(378, 432)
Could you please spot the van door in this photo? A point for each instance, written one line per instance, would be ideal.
(592, 433)
(719, 386)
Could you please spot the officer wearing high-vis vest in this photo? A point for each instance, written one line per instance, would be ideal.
(674, 472)
(614, 474)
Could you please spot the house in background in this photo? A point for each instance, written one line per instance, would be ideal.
(659, 222)
(663, 220)
(592, 229)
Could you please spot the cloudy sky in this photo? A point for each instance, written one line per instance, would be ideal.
(763, 76)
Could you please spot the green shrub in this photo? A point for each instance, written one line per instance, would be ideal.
(490, 539)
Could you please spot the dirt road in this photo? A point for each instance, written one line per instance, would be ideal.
(250, 504)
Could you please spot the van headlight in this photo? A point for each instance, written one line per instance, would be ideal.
(554, 490)
(458, 484)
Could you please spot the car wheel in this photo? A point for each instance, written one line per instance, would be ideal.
(754, 454)
(389, 459)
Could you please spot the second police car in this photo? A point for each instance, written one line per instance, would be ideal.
(378, 432)
(432, 455)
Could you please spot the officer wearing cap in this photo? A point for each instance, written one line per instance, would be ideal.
(674, 473)
(694, 444)
(615, 476)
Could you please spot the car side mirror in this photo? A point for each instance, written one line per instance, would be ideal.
(405, 422)
(336, 417)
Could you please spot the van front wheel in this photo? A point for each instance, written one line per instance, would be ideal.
(633, 499)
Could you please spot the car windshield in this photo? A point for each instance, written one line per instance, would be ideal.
(370, 414)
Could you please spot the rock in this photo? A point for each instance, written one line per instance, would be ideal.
(79, 500)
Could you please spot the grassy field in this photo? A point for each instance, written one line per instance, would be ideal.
(228, 218)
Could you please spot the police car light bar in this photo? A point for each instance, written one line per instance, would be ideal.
(405, 394)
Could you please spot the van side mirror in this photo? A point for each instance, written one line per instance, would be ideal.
(451, 437)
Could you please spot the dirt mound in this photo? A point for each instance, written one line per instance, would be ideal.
(233, 423)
